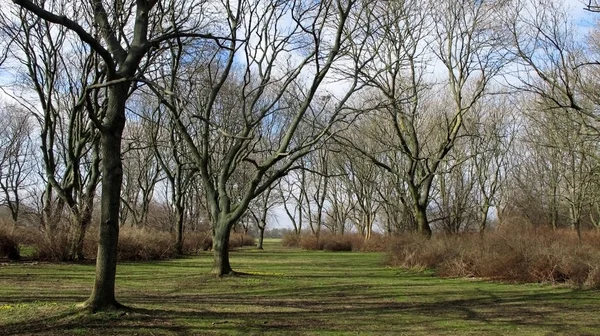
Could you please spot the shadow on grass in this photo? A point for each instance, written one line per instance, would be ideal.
(294, 293)
(320, 312)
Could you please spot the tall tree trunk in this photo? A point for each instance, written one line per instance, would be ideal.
(261, 236)
(222, 231)
(422, 221)
(79, 253)
(179, 214)
(103, 293)
(483, 221)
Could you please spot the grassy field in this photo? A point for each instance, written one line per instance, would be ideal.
(287, 292)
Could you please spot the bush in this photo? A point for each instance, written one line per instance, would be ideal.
(193, 242)
(337, 243)
(9, 247)
(377, 243)
(310, 242)
(241, 240)
(326, 241)
(524, 256)
(140, 244)
(56, 249)
(290, 239)
(137, 244)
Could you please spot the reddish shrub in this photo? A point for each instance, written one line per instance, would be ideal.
(290, 239)
(136, 244)
(326, 241)
(525, 256)
(241, 240)
(377, 243)
(193, 242)
(309, 242)
(337, 243)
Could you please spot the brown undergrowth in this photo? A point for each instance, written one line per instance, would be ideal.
(330, 242)
(9, 246)
(135, 244)
(543, 256)
(517, 255)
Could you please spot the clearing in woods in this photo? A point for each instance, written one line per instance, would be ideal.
(286, 292)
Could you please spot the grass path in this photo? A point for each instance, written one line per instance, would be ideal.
(287, 292)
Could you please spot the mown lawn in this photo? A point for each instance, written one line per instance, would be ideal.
(287, 292)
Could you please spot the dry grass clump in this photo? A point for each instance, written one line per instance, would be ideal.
(523, 256)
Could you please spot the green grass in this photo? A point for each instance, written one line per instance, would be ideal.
(287, 292)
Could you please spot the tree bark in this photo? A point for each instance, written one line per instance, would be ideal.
(222, 231)
(422, 221)
(103, 293)
(179, 213)
(483, 221)
(261, 236)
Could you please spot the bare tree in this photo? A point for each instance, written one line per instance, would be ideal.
(179, 171)
(292, 199)
(260, 209)
(56, 69)
(361, 179)
(16, 158)
(282, 72)
(123, 37)
(141, 171)
(467, 43)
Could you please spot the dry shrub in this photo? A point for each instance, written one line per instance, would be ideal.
(290, 239)
(140, 244)
(55, 248)
(137, 244)
(194, 242)
(331, 242)
(310, 242)
(241, 240)
(377, 243)
(9, 246)
(337, 243)
(48, 247)
(327, 242)
(523, 256)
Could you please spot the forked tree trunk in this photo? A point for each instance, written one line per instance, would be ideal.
(422, 221)
(483, 221)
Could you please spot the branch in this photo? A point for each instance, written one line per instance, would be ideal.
(71, 25)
